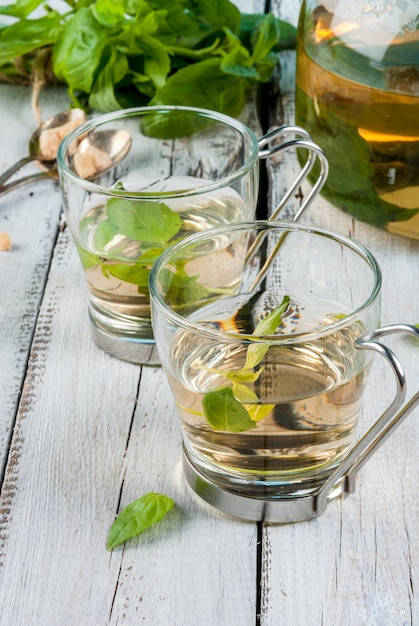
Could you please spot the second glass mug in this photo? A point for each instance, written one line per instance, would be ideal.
(268, 357)
(135, 181)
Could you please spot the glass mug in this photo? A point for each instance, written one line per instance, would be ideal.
(266, 332)
(135, 181)
(357, 94)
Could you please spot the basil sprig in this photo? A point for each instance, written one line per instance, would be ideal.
(114, 55)
(235, 408)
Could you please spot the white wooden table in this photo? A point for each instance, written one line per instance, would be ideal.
(83, 434)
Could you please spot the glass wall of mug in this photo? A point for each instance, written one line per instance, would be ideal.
(256, 326)
(357, 94)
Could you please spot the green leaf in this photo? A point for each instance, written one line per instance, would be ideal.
(103, 235)
(203, 85)
(137, 517)
(219, 14)
(244, 394)
(267, 326)
(179, 288)
(133, 274)
(21, 8)
(238, 60)
(148, 222)
(258, 412)
(218, 408)
(28, 35)
(252, 23)
(78, 50)
(102, 96)
(242, 376)
(255, 354)
(268, 34)
(108, 12)
(270, 323)
(224, 412)
(150, 256)
(157, 60)
(88, 259)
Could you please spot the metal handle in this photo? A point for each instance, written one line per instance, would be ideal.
(392, 417)
(314, 153)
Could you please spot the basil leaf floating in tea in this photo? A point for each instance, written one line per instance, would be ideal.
(267, 326)
(137, 517)
(223, 412)
(180, 288)
(147, 222)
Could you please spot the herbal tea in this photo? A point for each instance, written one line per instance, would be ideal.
(358, 95)
(282, 413)
(121, 240)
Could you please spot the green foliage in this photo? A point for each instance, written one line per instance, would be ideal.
(114, 54)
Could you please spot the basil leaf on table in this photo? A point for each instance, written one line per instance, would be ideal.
(137, 517)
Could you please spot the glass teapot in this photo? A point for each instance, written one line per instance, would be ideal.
(357, 94)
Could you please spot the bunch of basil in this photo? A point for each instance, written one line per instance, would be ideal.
(118, 53)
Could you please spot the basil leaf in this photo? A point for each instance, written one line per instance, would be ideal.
(27, 35)
(180, 289)
(103, 235)
(102, 96)
(88, 259)
(137, 517)
(134, 274)
(244, 394)
(150, 256)
(219, 13)
(21, 8)
(224, 412)
(108, 12)
(120, 54)
(355, 192)
(78, 50)
(148, 222)
(203, 85)
(270, 323)
(252, 23)
(268, 34)
(238, 61)
(157, 60)
(255, 354)
(258, 412)
(222, 408)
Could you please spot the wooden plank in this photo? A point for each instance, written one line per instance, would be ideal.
(30, 216)
(358, 563)
(65, 464)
